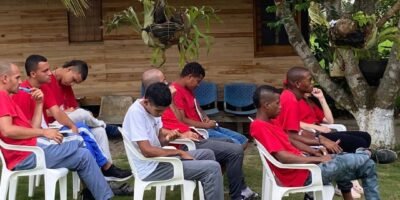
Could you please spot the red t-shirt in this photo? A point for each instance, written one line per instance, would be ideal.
(310, 113)
(69, 100)
(184, 100)
(274, 139)
(289, 117)
(170, 121)
(53, 96)
(9, 108)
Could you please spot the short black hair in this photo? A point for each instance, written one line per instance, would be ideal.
(261, 89)
(31, 63)
(79, 66)
(194, 69)
(158, 94)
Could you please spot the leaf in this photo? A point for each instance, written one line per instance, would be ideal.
(77, 7)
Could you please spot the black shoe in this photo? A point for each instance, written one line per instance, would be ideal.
(116, 174)
(308, 196)
(112, 131)
(123, 189)
(383, 156)
(85, 194)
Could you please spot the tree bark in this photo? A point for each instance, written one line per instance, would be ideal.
(367, 6)
(391, 12)
(302, 49)
(355, 79)
(389, 86)
(379, 124)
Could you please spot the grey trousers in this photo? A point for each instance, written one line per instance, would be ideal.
(229, 155)
(73, 157)
(203, 169)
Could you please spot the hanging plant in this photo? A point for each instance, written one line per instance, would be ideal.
(165, 26)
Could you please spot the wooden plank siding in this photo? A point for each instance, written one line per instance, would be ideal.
(41, 27)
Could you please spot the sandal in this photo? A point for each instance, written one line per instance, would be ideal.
(357, 187)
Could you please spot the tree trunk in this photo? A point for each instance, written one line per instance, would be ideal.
(379, 124)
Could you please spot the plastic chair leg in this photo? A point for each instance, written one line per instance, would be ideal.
(37, 180)
(4, 185)
(31, 186)
(187, 190)
(50, 184)
(201, 191)
(76, 183)
(318, 195)
(160, 192)
(63, 187)
(328, 192)
(12, 192)
(138, 192)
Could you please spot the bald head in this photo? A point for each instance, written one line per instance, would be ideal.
(152, 76)
(5, 68)
(264, 94)
(296, 74)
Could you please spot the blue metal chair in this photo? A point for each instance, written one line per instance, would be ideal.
(207, 97)
(238, 98)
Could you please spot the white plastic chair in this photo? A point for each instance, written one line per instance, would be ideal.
(272, 191)
(9, 179)
(191, 146)
(34, 181)
(187, 187)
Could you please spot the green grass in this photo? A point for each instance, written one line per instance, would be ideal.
(389, 176)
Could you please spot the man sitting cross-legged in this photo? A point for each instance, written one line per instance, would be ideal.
(143, 125)
(341, 168)
(226, 152)
(16, 129)
(38, 72)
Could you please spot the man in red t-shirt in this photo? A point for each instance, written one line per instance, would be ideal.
(39, 74)
(16, 129)
(299, 82)
(299, 79)
(189, 112)
(341, 168)
(226, 153)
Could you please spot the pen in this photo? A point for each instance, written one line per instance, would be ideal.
(27, 90)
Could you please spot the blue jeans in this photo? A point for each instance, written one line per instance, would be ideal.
(220, 132)
(72, 156)
(351, 166)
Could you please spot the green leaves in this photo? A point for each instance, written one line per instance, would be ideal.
(188, 39)
(77, 7)
(362, 19)
(126, 17)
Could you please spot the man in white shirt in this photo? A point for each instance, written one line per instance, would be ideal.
(143, 125)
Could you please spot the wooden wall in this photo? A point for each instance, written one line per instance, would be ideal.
(41, 27)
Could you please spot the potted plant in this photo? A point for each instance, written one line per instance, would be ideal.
(371, 39)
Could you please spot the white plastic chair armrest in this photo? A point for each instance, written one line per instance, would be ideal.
(40, 161)
(168, 147)
(175, 162)
(314, 170)
(189, 143)
(203, 132)
(338, 127)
